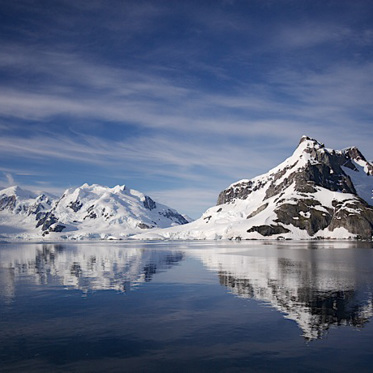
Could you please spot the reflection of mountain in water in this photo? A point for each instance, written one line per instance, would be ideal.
(84, 267)
(315, 288)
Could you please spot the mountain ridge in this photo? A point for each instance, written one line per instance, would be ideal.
(89, 211)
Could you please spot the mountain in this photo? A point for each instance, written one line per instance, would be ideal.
(317, 193)
(90, 211)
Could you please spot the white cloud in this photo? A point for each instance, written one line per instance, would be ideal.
(311, 34)
(153, 154)
(10, 179)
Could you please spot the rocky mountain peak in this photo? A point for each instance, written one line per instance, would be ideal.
(315, 193)
(310, 165)
(310, 142)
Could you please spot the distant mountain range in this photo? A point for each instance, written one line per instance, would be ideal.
(317, 193)
(87, 212)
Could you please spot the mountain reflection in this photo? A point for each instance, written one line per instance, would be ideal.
(84, 267)
(315, 288)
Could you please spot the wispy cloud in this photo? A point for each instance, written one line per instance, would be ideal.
(153, 101)
(154, 154)
(310, 34)
(9, 179)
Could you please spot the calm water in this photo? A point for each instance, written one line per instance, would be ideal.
(186, 307)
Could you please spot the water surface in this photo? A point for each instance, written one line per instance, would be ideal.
(186, 307)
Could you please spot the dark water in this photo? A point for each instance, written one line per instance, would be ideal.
(186, 307)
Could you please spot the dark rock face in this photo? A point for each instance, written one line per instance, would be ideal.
(174, 216)
(149, 203)
(7, 202)
(304, 215)
(35, 209)
(356, 216)
(48, 223)
(275, 187)
(144, 226)
(75, 206)
(239, 191)
(327, 175)
(269, 230)
(91, 214)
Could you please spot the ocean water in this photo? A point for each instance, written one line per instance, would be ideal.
(186, 307)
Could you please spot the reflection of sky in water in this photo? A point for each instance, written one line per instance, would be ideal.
(182, 309)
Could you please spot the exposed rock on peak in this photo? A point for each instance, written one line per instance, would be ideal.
(309, 140)
(149, 203)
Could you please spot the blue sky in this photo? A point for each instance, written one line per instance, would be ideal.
(177, 99)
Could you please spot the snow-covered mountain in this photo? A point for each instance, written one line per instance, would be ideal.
(19, 201)
(90, 211)
(316, 193)
(20, 210)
